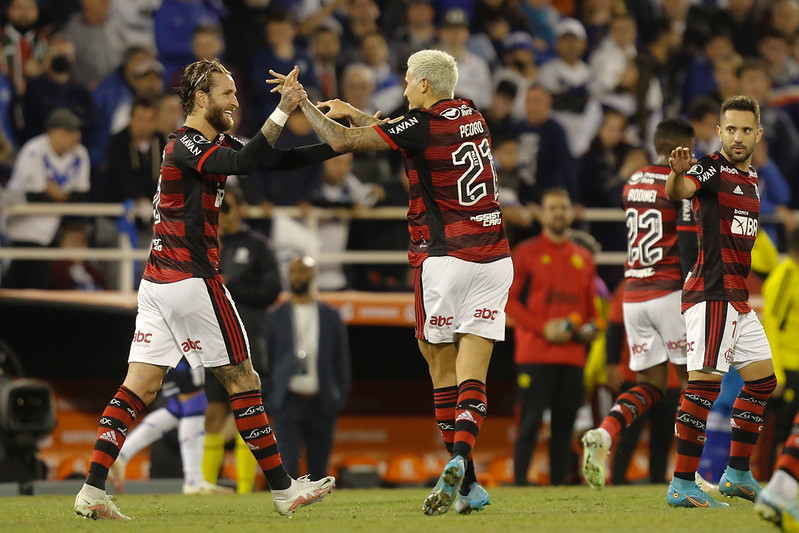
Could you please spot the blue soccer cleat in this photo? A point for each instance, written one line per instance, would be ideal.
(476, 500)
(684, 493)
(443, 496)
(781, 511)
(739, 483)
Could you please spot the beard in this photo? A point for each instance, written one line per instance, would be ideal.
(216, 117)
(300, 287)
(738, 158)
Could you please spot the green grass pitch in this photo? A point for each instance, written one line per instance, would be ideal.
(547, 509)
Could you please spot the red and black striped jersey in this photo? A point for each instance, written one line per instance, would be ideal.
(652, 268)
(726, 207)
(186, 209)
(453, 207)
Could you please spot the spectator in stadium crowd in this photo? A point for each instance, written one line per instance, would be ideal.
(387, 95)
(499, 117)
(54, 89)
(249, 268)
(552, 302)
(138, 75)
(360, 20)
(782, 68)
(74, 274)
(419, 31)
(134, 165)
(98, 42)
(184, 410)
(325, 48)
(183, 296)
(51, 167)
(170, 114)
(703, 114)
(725, 74)
(459, 392)
(135, 22)
(517, 217)
(175, 21)
(781, 322)
(542, 18)
(340, 188)
(567, 78)
(474, 75)
(544, 157)
(23, 46)
(597, 16)
(613, 72)
(310, 375)
(519, 67)
(700, 80)
(280, 53)
(785, 17)
(778, 129)
(745, 22)
(775, 192)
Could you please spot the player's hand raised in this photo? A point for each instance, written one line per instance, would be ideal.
(681, 160)
(336, 108)
(292, 92)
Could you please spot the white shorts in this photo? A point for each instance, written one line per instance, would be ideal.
(655, 331)
(454, 296)
(719, 337)
(194, 318)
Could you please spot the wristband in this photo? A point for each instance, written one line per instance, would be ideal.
(279, 117)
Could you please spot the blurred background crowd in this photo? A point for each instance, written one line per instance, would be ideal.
(571, 90)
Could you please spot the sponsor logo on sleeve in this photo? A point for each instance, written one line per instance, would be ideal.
(199, 139)
(404, 125)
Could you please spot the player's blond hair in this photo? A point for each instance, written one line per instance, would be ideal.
(438, 68)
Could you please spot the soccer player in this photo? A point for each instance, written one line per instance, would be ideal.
(458, 246)
(184, 309)
(652, 316)
(721, 329)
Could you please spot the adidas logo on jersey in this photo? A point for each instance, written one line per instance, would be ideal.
(737, 190)
(110, 436)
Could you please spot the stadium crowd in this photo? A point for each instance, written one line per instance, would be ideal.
(571, 89)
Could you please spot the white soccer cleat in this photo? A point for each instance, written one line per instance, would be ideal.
(97, 509)
(302, 492)
(595, 457)
(204, 487)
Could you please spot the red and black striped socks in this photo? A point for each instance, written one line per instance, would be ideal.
(444, 400)
(469, 415)
(691, 425)
(253, 425)
(117, 417)
(747, 419)
(789, 460)
(629, 406)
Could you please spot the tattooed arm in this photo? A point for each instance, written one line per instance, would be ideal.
(292, 92)
(340, 109)
(342, 138)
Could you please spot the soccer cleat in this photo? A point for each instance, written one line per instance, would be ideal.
(302, 492)
(97, 509)
(595, 456)
(443, 495)
(684, 493)
(773, 507)
(204, 487)
(739, 483)
(704, 484)
(476, 500)
(116, 475)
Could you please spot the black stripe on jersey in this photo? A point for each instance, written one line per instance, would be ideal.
(711, 245)
(193, 222)
(418, 292)
(715, 319)
(435, 223)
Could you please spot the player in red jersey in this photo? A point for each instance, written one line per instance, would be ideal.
(722, 330)
(652, 317)
(184, 308)
(457, 242)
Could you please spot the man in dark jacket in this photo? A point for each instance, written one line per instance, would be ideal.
(309, 379)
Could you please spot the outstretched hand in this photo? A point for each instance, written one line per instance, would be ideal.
(336, 108)
(681, 160)
(291, 91)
